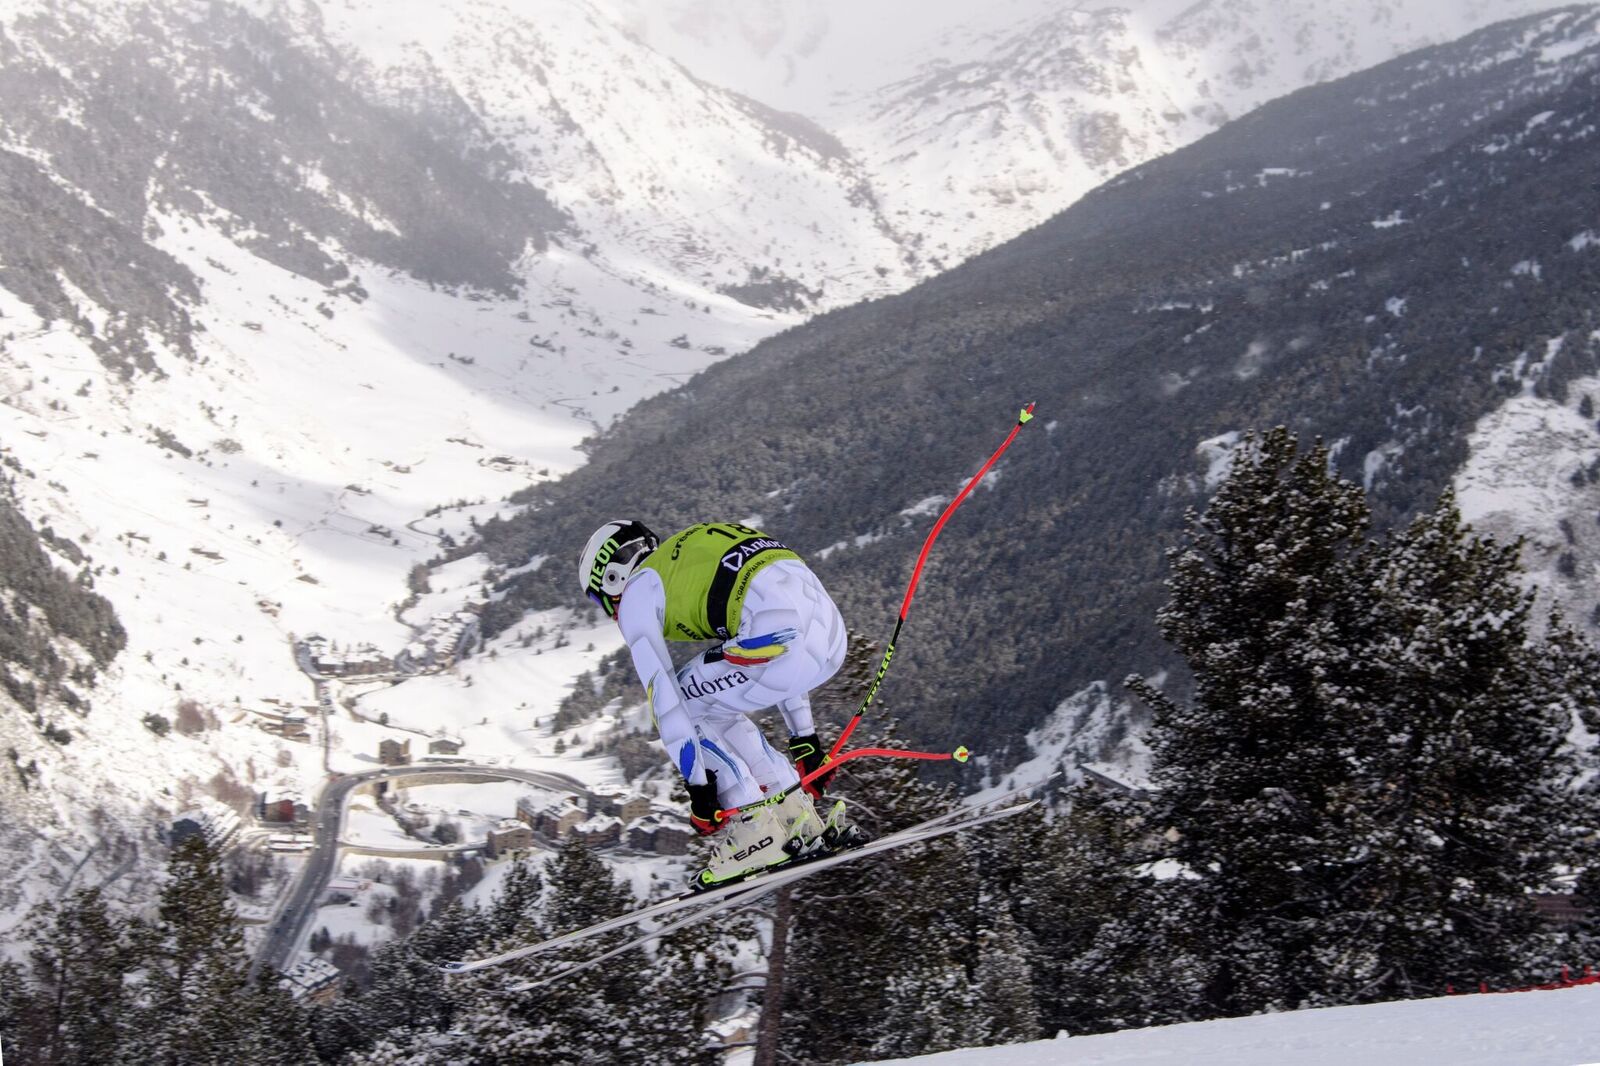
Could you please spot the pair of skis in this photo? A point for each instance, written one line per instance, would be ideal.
(706, 902)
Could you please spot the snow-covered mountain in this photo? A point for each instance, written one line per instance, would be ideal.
(975, 124)
(295, 293)
(819, 57)
(664, 176)
(976, 148)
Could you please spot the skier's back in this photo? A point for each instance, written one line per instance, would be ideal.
(780, 636)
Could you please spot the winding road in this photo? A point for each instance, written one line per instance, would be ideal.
(287, 929)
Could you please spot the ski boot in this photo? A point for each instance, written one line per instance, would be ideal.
(771, 834)
(838, 834)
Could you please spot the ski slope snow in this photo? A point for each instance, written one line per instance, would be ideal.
(1554, 1028)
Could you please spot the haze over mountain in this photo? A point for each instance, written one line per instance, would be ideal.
(975, 124)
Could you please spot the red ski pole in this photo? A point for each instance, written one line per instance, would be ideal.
(961, 754)
(1023, 418)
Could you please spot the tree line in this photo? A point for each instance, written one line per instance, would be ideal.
(1370, 779)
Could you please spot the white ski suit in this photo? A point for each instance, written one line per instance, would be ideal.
(702, 711)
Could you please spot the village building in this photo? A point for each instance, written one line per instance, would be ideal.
(394, 752)
(629, 808)
(658, 835)
(600, 830)
(441, 643)
(1109, 779)
(510, 839)
(291, 725)
(444, 746)
(313, 981)
(1560, 909)
(551, 821)
(318, 656)
(344, 889)
(282, 808)
(215, 824)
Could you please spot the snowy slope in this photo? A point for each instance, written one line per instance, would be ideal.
(1527, 476)
(817, 57)
(976, 122)
(1555, 1028)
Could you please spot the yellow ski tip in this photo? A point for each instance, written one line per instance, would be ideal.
(961, 754)
(1025, 415)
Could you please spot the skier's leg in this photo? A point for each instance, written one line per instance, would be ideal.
(771, 770)
(737, 783)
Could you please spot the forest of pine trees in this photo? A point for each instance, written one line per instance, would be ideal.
(1372, 771)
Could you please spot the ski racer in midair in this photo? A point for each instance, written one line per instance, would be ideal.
(779, 636)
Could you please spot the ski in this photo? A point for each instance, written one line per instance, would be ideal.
(763, 881)
(767, 884)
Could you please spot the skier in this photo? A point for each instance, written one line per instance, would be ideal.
(779, 636)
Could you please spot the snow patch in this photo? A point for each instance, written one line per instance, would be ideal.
(1218, 455)
(1470, 1030)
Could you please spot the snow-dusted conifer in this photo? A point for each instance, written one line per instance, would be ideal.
(1008, 1008)
(1464, 793)
(409, 993)
(515, 903)
(197, 996)
(1370, 775)
(1079, 900)
(931, 1005)
(1260, 608)
(74, 1007)
(280, 1030)
(856, 933)
(586, 1018)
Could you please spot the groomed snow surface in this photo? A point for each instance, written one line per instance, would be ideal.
(1557, 1028)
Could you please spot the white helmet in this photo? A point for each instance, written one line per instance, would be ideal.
(612, 554)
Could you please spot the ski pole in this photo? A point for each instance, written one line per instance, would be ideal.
(1023, 418)
(961, 754)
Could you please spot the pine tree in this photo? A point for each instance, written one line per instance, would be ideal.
(1260, 609)
(856, 932)
(1008, 1009)
(1370, 775)
(197, 1004)
(77, 998)
(515, 901)
(1080, 899)
(602, 1015)
(1466, 800)
(280, 1028)
(14, 1003)
(667, 1018)
(197, 984)
(409, 993)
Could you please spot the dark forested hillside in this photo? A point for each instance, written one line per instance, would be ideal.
(1378, 262)
(56, 632)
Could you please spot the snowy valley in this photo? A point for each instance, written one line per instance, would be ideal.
(295, 296)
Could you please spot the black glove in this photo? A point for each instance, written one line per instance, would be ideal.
(808, 755)
(703, 805)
